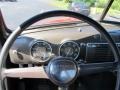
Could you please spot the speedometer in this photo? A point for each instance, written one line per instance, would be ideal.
(41, 51)
(69, 49)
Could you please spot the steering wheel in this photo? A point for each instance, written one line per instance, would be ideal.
(61, 71)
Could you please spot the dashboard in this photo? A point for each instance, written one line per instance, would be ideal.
(80, 43)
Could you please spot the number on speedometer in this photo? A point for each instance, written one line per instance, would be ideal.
(69, 49)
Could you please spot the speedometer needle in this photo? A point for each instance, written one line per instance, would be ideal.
(68, 52)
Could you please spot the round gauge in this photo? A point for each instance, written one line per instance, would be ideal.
(69, 49)
(41, 51)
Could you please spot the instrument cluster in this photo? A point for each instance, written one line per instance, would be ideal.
(42, 51)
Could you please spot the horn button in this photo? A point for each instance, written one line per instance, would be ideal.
(62, 71)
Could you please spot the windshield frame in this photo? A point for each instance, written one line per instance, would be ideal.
(104, 13)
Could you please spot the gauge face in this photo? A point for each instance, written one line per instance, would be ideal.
(41, 51)
(69, 49)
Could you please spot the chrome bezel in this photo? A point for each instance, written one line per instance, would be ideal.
(35, 42)
(71, 42)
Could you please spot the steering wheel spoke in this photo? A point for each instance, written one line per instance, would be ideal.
(30, 72)
(86, 69)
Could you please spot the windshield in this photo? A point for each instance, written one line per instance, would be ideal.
(16, 12)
